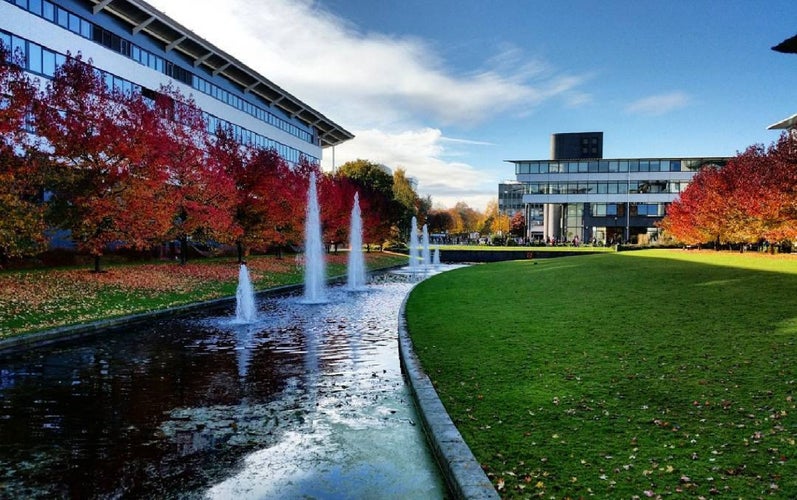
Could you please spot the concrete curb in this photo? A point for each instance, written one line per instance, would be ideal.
(463, 475)
(462, 472)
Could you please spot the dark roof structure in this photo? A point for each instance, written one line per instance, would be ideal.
(142, 17)
(787, 46)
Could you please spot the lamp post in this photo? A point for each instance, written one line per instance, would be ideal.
(615, 226)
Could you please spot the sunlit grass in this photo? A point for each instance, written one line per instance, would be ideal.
(40, 299)
(580, 248)
(623, 375)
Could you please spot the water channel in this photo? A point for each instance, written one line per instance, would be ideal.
(307, 402)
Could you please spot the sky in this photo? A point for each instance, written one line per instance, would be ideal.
(448, 90)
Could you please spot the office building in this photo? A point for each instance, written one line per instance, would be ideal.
(139, 48)
(603, 200)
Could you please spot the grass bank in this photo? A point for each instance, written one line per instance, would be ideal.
(35, 300)
(629, 375)
(501, 248)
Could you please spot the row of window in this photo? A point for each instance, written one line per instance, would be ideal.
(634, 209)
(43, 61)
(601, 166)
(261, 114)
(56, 15)
(606, 187)
(86, 29)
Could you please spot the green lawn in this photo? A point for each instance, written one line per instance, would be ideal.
(488, 248)
(624, 375)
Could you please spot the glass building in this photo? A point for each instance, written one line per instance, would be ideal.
(603, 200)
(139, 48)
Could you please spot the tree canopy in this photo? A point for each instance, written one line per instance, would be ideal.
(121, 169)
(753, 198)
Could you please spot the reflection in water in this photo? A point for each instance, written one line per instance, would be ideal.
(307, 402)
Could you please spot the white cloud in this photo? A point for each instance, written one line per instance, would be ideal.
(382, 88)
(366, 78)
(659, 104)
(421, 154)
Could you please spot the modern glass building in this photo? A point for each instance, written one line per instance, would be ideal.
(603, 200)
(510, 202)
(139, 48)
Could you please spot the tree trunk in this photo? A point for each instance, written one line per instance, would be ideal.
(240, 252)
(183, 249)
(98, 264)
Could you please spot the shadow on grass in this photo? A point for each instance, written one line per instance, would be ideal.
(640, 374)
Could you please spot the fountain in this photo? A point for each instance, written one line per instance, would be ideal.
(222, 410)
(314, 268)
(245, 308)
(436, 258)
(356, 264)
(425, 251)
(414, 245)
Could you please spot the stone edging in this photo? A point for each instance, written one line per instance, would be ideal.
(463, 474)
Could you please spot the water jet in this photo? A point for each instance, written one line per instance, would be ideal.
(314, 265)
(245, 307)
(356, 262)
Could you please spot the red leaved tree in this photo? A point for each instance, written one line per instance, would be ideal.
(699, 214)
(201, 192)
(106, 182)
(750, 199)
(376, 202)
(22, 222)
(226, 153)
(271, 209)
(336, 197)
(771, 178)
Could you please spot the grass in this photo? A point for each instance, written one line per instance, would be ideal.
(630, 375)
(488, 248)
(36, 300)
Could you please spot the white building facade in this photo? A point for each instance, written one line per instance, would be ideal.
(602, 200)
(139, 48)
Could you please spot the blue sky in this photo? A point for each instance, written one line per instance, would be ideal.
(449, 89)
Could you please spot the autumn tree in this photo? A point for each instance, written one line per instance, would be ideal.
(406, 200)
(202, 191)
(107, 184)
(440, 221)
(336, 197)
(749, 199)
(226, 153)
(698, 215)
(375, 186)
(517, 225)
(766, 189)
(22, 223)
(494, 222)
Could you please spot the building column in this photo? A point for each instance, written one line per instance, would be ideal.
(552, 220)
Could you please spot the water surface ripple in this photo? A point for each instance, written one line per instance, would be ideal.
(308, 402)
